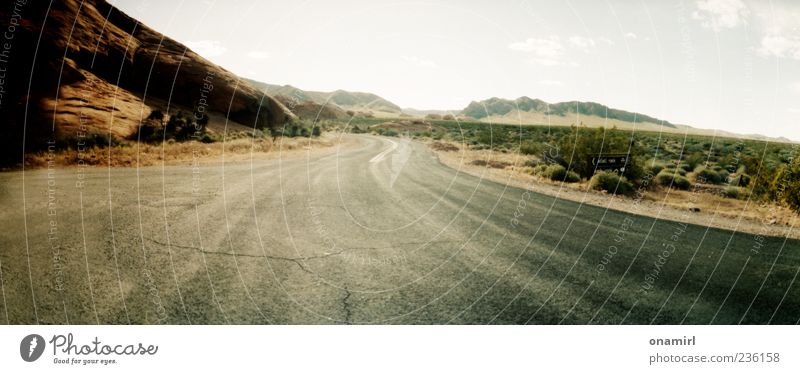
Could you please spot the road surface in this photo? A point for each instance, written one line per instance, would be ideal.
(376, 233)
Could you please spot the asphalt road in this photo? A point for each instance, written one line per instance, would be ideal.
(377, 233)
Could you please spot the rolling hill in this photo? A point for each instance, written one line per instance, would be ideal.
(356, 102)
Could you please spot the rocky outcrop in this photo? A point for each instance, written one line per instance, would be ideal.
(73, 67)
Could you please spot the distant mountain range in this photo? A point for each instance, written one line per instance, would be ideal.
(502, 107)
(335, 102)
(524, 110)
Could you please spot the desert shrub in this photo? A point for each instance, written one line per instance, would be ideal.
(741, 180)
(539, 169)
(559, 173)
(179, 127)
(611, 182)
(389, 132)
(532, 162)
(707, 175)
(479, 162)
(670, 178)
(498, 164)
(446, 147)
(572, 177)
(732, 192)
(448, 117)
(695, 159)
(685, 167)
(555, 172)
(149, 131)
(723, 175)
(581, 143)
(654, 168)
(316, 131)
(207, 138)
(156, 115)
(785, 184)
(182, 127)
(529, 148)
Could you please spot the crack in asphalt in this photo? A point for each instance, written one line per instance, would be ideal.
(346, 305)
(300, 261)
(296, 260)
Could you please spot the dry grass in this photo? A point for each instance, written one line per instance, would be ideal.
(176, 153)
(491, 163)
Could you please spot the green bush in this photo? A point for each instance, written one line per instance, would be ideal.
(685, 167)
(572, 177)
(785, 185)
(707, 175)
(389, 133)
(529, 148)
(207, 138)
(611, 182)
(555, 172)
(531, 163)
(671, 178)
(723, 175)
(539, 169)
(654, 168)
(732, 192)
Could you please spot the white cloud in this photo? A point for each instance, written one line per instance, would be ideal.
(795, 86)
(420, 62)
(793, 110)
(780, 46)
(207, 48)
(721, 14)
(584, 44)
(631, 35)
(551, 83)
(607, 41)
(544, 51)
(781, 28)
(549, 47)
(258, 55)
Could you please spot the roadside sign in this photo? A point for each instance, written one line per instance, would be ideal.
(609, 162)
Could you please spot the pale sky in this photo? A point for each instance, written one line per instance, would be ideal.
(726, 64)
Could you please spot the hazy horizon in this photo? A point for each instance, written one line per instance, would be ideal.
(717, 64)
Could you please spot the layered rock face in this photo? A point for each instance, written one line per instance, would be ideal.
(73, 67)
